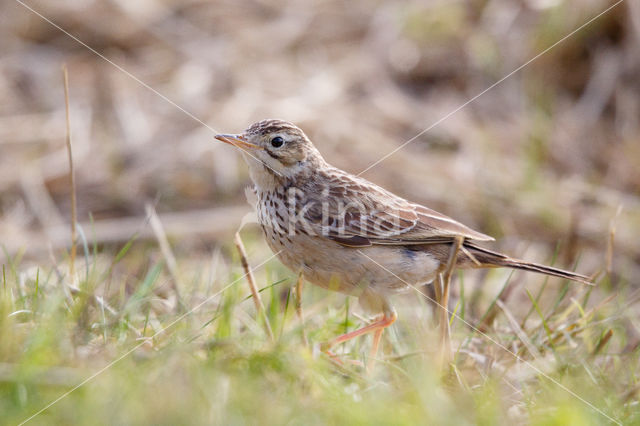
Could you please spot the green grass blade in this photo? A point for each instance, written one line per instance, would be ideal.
(542, 318)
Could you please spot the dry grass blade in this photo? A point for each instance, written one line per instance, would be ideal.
(486, 321)
(74, 213)
(108, 308)
(556, 334)
(165, 248)
(519, 331)
(603, 342)
(530, 162)
(252, 286)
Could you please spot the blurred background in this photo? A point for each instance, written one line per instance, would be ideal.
(543, 161)
(547, 161)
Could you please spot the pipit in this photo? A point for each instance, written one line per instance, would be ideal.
(344, 233)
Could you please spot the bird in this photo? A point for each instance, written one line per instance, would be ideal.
(344, 233)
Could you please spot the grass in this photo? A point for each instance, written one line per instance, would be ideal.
(216, 364)
(164, 333)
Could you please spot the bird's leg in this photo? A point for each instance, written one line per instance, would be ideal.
(437, 289)
(377, 336)
(380, 324)
(444, 280)
(298, 294)
(377, 326)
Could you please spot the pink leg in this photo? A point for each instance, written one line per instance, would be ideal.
(377, 326)
(377, 335)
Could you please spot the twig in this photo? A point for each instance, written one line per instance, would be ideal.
(74, 213)
(165, 248)
(252, 286)
(298, 296)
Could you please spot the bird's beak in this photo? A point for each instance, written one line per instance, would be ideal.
(238, 141)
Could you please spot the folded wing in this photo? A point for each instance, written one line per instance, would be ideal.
(357, 213)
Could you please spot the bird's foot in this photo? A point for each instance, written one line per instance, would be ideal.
(335, 358)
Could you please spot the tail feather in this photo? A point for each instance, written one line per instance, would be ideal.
(488, 258)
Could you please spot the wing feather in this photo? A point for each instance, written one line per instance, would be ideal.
(357, 213)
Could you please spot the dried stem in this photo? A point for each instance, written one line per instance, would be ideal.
(298, 295)
(165, 248)
(522, 335)
(603, 342)
(252, 286)
(74, 213)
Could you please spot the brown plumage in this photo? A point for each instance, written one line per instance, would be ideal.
(347, 234)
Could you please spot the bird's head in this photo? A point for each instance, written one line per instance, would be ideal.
(275, 150)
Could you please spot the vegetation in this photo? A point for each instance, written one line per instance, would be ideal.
(144, 361)
(154, 323)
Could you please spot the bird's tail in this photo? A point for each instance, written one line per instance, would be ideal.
(488, 258)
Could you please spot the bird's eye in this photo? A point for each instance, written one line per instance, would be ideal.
(277, 142)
